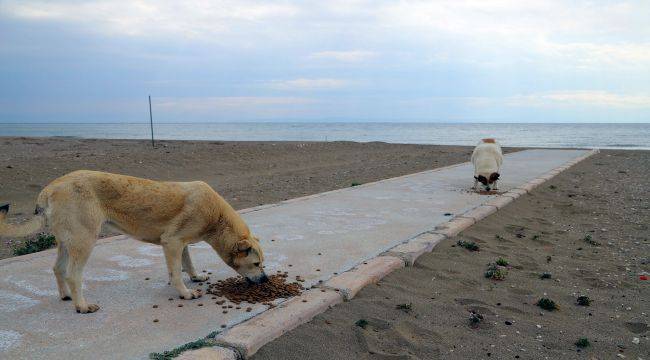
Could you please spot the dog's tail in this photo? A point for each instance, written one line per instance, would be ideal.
(21, 230)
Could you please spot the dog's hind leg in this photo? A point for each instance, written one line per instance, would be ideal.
(60, 270)
(173, 249)
(79, 251)
(188, 267)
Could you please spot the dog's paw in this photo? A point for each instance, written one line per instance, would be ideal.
(199, 278)
(192, 294)
(66, 298)
(90, 308)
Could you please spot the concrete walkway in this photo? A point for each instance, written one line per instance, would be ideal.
(314, 237)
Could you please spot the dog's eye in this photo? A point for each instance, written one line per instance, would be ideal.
(256, 264)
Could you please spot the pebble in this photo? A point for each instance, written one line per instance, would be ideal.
(155, 320)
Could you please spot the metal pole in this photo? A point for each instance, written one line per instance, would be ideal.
(151, 123)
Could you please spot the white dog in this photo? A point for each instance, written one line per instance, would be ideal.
(487, 158)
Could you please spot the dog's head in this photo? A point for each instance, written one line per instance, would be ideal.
(487, 179)
(246, 257)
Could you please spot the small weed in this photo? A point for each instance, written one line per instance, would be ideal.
(496, 272)
(536, 237)
(547, 304)
(582, 343)
(583, 300)
(545, 275)
(362, 323)
(499, 237)
(166, 355)
(405, 307)
(552, 187)
(549, 259)
(502, 262)
(354, 183)
(589, 240)
(475, 318)
(469, 245)
(42, 242)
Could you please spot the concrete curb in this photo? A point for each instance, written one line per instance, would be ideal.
(454, 226)
(414, 248)
(209, 353)
(249, 336)
(349, 283)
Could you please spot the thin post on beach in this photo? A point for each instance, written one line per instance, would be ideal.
(151, 123)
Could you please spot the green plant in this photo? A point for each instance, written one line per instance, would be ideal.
(42, 242)
(502, 262)
(475, 318)
(582, 343)
(499, 237)
(362, 323)
(536, 237)
(469, 245)
(354, 183)
(166, 355)
(583, 300)
(552, 187)
(496, 272)
(546, 275)
(405, 307)
(589, 240)
(547, 304)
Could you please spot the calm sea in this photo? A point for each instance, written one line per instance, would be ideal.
(618, 136)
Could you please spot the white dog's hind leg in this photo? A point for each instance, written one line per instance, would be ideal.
(173, 249)
(188, 267)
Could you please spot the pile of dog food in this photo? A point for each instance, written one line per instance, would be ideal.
(237, 289)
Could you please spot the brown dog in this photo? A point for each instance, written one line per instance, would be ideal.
(172, 214)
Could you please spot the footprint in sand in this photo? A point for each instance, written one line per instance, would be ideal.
(399, 341)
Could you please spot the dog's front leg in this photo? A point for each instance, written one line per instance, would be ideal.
(173, 250)
(494, 187)
(188, 267)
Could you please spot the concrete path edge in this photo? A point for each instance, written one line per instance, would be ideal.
(244, 339)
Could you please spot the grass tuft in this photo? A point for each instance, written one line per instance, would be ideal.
(42, 242)
(589, 240)
(405, 307)
(355, 183)
(362, 323)
(547, 304)
(502, 262)
(469, 245)
(166, 355)
(582, 343)
(583, 300)
(496, 272)
(475, 318)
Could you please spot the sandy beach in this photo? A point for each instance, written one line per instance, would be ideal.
(245, 173)
(587, 228)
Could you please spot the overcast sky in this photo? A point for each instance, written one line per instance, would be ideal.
(348, 60)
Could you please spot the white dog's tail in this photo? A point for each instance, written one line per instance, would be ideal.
(21, 230)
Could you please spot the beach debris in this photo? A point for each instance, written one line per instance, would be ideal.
(582, 343)
(237, 289)
(469, 245)
(496, 272)
(643, 277)
(448, 214)
(549, 259)
(407, 307)
(547, 304)
(583, 300)
(545, 275)
(362, 323)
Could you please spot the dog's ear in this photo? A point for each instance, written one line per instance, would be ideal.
(242, 248)
(494, 177)
(482, 179)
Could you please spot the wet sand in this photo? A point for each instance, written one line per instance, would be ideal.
(588, 228)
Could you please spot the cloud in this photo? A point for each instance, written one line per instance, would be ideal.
(601, 99)
(310, 84)
(207, 104)
(352, 56)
